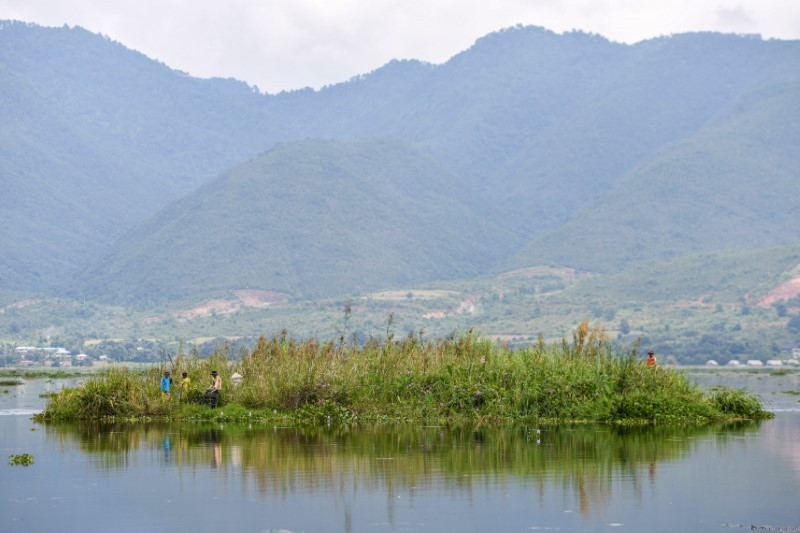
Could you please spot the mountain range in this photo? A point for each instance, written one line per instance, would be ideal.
(125, 181)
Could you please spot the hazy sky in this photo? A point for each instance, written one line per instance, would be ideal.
(287, 44)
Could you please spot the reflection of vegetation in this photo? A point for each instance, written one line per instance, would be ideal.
(585, 459)
(464, 378)
(10, 382)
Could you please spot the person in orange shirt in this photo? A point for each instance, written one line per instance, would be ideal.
(651, 359)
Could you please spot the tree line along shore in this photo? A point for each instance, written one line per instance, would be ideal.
(463, 378)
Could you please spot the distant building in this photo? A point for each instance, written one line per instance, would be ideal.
(734, 363)
(27, 350)
(38, 355)
(774, 362)
(754, 362)
(711, 362)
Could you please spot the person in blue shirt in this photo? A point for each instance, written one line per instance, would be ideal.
(166, 381)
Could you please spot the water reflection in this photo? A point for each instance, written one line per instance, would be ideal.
(239, 478)
(586, 461)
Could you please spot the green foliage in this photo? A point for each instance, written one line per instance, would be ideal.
(462, 378)
(663, 407)
(24, 459)
(736, 402)
(684, 308)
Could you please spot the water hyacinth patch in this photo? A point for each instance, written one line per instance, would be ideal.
(20, 460)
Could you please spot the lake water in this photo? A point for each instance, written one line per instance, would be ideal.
(191, 477)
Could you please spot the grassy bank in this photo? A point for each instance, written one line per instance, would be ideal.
(459, 379)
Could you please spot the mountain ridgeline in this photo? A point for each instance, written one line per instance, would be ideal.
(126, 181)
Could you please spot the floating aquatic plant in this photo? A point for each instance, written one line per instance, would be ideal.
(24, 459)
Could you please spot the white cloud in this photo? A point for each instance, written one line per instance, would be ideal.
(735, 19)
(283, 44)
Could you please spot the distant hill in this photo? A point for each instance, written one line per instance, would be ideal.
(734, 184)
(528, 148)
(731, 276)
(95, 138)
(639, 100)
(310, 219)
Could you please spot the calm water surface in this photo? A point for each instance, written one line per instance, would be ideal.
(265, 478)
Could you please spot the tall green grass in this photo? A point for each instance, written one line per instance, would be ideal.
(455, 379)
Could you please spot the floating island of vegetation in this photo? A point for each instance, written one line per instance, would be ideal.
(460, 379)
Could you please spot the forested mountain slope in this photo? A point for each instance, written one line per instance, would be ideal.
(735, 184)
(309, 219)
(532, 145)
(95, 138)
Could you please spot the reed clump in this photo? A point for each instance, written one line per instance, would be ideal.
(460, 378)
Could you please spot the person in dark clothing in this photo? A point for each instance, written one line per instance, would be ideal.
(212, 392)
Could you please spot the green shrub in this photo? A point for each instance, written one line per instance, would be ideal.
(737, 402)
